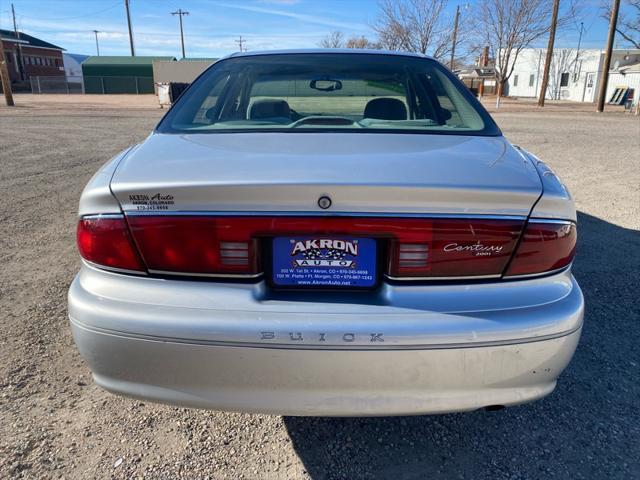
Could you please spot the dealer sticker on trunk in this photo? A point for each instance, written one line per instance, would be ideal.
(324, 261)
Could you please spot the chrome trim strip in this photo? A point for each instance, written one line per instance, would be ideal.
(208, 275)
(482, 277)
(534, 275)
(323, 214)
(551, 220)
(284, 346)
(427, 279)
(260, 274)
(114, 269)
(102, 215)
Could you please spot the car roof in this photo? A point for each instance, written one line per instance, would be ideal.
(344, 51)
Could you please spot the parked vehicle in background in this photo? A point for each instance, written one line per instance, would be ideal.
(327, 233)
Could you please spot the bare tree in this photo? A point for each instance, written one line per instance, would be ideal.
(509, 26)
(334, 40)
(361, 42)
(415, 26)
(628, 26)
(563, 62)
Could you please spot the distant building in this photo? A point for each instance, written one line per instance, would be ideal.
(183, 71)
(39, 58)
(121, 74)
(576, 75)
(473, 78)
(73, 66)
(171, 78)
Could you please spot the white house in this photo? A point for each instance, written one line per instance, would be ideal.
(574, 75)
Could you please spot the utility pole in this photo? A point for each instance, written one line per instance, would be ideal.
(604, 76)
(578, 66)
(96, 32)
(126, 6)
(18, 44)
(180, 14)
(579, 41)
(4, 76)
(547, 61)
(240, 42)
(455, 37)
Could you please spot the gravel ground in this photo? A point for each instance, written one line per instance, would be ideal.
(55, 423)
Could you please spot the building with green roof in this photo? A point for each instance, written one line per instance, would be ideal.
(116, 74)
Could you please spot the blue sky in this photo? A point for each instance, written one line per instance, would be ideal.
(213, 26)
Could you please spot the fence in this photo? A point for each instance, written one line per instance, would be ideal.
(56, 84)
(101, 85)
(107, 84)
(473, 84)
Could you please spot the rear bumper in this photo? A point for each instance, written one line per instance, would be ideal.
(204, 345)
(320, 382)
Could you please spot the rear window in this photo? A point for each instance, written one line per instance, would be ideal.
(303, 92)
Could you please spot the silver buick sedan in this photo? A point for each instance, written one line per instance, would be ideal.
(327, 233)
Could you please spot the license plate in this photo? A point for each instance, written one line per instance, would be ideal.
(324, 261)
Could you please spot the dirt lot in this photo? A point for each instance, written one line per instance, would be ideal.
(54, 423)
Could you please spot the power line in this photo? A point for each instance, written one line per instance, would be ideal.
(87, 14)
(181, 13)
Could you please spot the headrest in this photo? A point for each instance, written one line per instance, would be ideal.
(269, 108)
(385, 109)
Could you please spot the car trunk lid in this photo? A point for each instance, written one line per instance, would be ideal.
(361, 174)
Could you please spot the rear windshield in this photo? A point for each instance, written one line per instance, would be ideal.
(303, 92)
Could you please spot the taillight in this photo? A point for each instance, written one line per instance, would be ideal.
(418, 247)
(545, 246)
(196, 245)
(105, 241)
(413, 255)
(446, 248)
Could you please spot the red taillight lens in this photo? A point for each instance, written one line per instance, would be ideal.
(454, 248)
(105, 241)
(200, 245)
(418, 247)
(544, 247)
